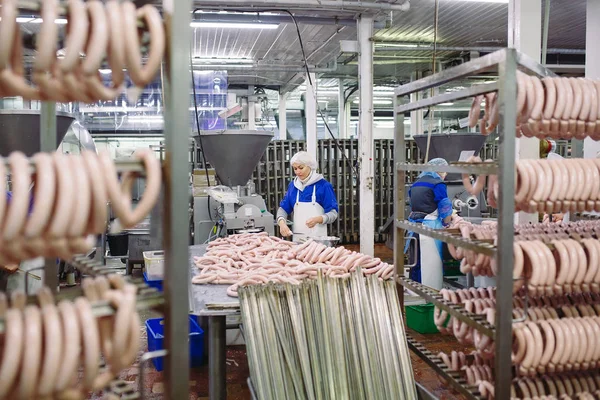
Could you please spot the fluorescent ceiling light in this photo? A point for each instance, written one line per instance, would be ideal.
(396, 45)
(484, 1)
(383, 89)
(446, 104)
(376, 101)
(227, 60)
(232, 25)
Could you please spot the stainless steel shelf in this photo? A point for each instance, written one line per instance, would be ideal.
(455, 168)
(452, 377)
(448, 97)
(457, 311)
(478, 65)
(469, 244)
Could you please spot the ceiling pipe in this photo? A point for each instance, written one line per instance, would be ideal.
(254, 18)
(490, 49)
(260, 68)
(315, 5)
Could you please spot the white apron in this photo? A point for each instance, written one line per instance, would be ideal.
(432, 273)
(302, 212)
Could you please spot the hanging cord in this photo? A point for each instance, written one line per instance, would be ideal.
(199, 134)
(435, 32)
(305, 59)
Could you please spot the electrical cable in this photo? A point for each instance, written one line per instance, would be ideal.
(199, 134)
(435, 33)
(305, 59)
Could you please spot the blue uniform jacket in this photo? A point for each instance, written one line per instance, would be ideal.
(324, 193)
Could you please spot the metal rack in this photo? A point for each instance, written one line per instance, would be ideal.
(506, 62)
(177, 130)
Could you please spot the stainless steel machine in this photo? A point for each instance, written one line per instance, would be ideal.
(450, 146)
(235, 208)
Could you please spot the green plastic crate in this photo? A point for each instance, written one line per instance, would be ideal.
(420, 318)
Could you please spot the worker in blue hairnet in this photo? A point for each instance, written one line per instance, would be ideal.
(431, 207)
(310, 198)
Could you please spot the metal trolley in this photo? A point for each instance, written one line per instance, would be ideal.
(506, 62)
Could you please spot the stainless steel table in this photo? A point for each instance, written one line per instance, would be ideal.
(212, 302)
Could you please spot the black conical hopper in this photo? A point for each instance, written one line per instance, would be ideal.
(449, 146)
(20, 130)
(234, 153)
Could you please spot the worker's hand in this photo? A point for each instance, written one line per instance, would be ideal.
(284, 229)
(311, 222)
(558, 217)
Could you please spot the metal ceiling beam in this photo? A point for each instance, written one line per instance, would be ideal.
(294, 81)
(393, 47)
(277, 19)
(339, 5)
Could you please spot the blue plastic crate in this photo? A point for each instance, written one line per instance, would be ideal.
(158, 284)
(155, 331)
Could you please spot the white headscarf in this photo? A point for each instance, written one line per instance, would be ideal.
(304, 158)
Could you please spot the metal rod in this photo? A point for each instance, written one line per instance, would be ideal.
(545, 31)
(398, 47)
(337, 5)
(177, 133)
(448, 97)
(472, 67)
(217, 385)
(48, 144)
(455, 168)
(507, 95)
(144, 360)
(453, 377)
(469, 244)
(399, 199)
(456, 310)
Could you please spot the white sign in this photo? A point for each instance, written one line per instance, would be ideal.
(463, 122)
(464, 155)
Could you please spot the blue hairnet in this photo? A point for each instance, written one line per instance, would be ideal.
(434, 161)
(438, 161)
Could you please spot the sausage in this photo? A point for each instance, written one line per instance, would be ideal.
(142, 75)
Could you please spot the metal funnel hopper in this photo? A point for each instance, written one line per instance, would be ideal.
(234, 153)
(449, 146)
(20, 130)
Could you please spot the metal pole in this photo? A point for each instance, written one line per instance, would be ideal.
(399, 181)
(217, 385)
(416, 117)
(545, 32)
(592, 62)
(507, 97)
(341, 123)
(365, 143)
(524, 27)
(310, 111)
(177, 135)
(283, 116)
(48, 144)
(251, 109)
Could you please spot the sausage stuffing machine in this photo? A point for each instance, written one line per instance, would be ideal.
(233, 207)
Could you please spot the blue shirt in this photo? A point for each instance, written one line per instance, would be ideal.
(324, 194)
(440, 194)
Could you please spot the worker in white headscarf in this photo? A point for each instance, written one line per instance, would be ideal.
(310, 198)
